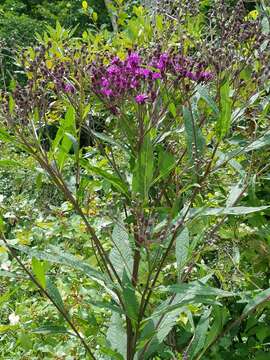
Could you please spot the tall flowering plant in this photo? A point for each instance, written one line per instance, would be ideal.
(170, 138)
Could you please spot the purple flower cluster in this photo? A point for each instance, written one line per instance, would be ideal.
(121, 78)
(127, 78)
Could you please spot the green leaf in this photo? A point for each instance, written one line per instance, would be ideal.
(106, 139)
(144, 168)
(204, 94)
(199, 337)
(235, 193)
(236, 210)
(66, 130)
(259, 299)
(182, 249)
(39, 271)
(198, 288)
(116, 335)
(194, 136)
(50, 329)
(220, 317)
(121, 254)
(11, 104)
(59, 257)
(10, 163)
(114, 180)
(224, 119)
(166, 163)
(55, 294)
(129, 297)
(258, 144)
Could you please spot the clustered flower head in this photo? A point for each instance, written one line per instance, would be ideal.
(133, 78)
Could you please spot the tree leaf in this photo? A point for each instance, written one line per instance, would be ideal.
(259, 143)
(220, 317)
(198, 288)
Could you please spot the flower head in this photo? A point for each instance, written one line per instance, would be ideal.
(69, 88)
(141, 98)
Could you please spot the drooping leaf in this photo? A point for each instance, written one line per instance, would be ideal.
(220, 317)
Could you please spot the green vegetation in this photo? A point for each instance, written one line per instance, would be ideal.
(134, 180)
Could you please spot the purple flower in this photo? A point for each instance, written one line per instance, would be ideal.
(134, 83)
(69, 88)
(141, 98)
(115, 61)
(107, 92)
(156, 75)
(133, 59)
(105, 82)
(205, 76)
(144, 72)
(113, 70)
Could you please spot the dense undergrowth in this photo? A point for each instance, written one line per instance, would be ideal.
(153, 242)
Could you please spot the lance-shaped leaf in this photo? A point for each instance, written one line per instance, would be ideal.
(194, 136)
(121, 254)
(182, 249)
(259, 299)
(199, 337)
(225, 116)
(236, 210)
(144, 168)
(116, 335)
